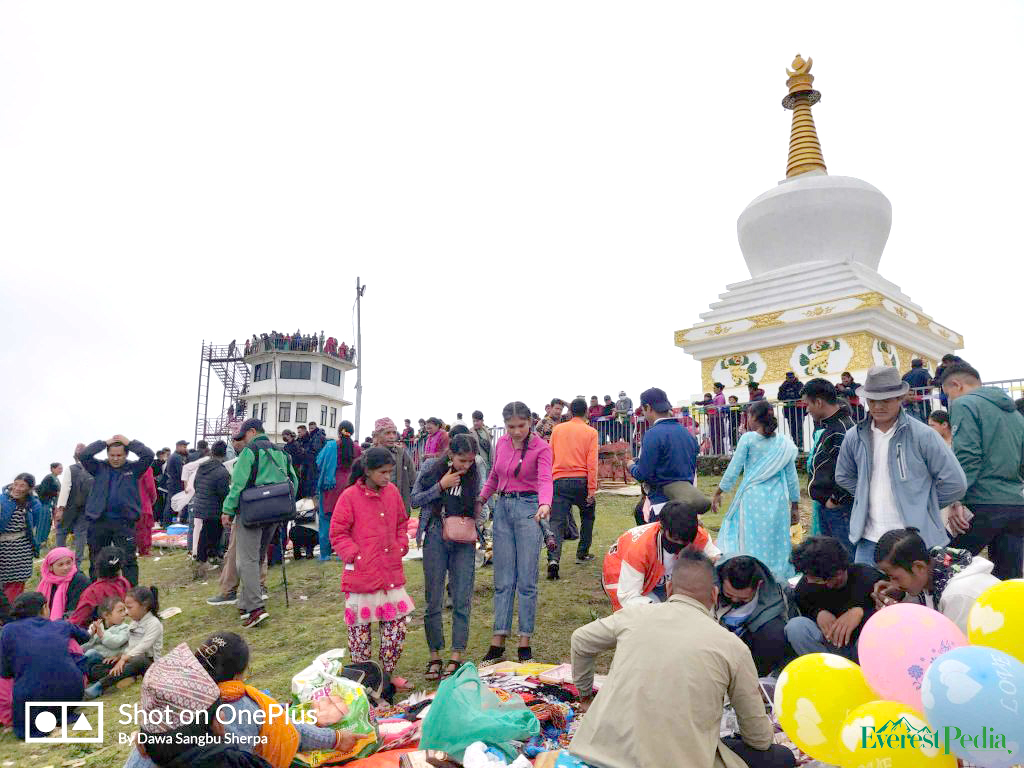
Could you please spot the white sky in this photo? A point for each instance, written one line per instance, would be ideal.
(536, 194)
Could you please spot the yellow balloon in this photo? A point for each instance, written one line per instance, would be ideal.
(812, 698)
(997, 618)
(878, 735)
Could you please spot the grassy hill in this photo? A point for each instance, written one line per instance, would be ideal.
(313, 623)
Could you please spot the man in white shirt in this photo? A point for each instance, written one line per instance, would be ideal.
(899, 470)
(69, 514)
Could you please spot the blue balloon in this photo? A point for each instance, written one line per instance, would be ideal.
(974, 698)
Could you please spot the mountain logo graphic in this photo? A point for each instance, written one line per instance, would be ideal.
(893, 726)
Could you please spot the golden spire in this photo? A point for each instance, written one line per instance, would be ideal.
(804, 148)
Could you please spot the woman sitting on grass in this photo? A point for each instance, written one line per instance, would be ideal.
(145, 642)
(109, 583)
(35, 654)
(61, 583)
(225, 657)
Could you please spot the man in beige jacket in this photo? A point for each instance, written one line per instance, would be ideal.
(673, 667)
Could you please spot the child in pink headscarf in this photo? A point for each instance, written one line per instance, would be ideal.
(62, 583)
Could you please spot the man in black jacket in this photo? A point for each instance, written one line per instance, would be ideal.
(172, 478)
(832, 503)
(792, 410)
(212, 482)
(69, 516)
(114, 506)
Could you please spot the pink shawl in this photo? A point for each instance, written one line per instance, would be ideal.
(49, 581)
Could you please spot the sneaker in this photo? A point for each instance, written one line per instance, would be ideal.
(264, 593)
(255, 618)
(494, 653)
(584, 558)
(525, 655)
(552, 571)
(93, 691)
(229, 599)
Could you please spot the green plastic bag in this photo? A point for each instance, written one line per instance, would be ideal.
(465, 710)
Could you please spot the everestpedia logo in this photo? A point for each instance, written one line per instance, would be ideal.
(902, 734)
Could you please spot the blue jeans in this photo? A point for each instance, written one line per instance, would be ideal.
(835, 522)
(804, 635)
(457, 562)
(517, 543)
(865, 552)
(324, 523)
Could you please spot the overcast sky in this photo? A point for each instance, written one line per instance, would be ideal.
(537, 194)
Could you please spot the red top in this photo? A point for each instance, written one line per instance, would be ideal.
(95, 594)
(370, 534)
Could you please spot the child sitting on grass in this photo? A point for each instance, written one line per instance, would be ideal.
(109, 583)
(145, 642)
(109, 638)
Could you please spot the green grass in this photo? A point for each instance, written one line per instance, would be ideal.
(292, 636)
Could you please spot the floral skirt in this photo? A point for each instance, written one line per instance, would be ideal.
(383, 605)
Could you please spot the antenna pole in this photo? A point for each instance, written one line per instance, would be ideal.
(359, 353)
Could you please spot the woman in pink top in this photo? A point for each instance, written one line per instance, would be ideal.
(521, 476)
(437, 440)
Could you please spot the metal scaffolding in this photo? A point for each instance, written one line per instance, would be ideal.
(224, 360)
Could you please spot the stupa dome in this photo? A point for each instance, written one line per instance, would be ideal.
(814, 217)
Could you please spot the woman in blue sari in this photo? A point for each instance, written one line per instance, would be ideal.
(767, 501)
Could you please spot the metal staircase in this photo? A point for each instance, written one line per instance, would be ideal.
(226, 362)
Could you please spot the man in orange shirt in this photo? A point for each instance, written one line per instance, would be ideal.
(574, 470)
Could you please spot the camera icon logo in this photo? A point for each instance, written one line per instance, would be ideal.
(79, 722)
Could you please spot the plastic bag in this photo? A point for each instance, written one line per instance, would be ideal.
(465, 710)
(337, 703)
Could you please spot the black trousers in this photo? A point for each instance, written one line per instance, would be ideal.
(1001, 529)
(121, 534)
(132, 668)
(303, 538)
(210, 534)
(569, 492)
(776, 756)
(768, 645)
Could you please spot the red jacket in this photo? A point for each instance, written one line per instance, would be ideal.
(369, 531)
(94, 594)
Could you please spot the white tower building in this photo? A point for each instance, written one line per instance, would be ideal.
(288, 387)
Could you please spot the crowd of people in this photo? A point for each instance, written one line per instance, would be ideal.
(901, 511)
(296, 342)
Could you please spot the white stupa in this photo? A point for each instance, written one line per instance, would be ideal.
(815, 303)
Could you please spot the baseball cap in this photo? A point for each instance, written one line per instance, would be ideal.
(182, 442)
(246, 426)
(656, 400)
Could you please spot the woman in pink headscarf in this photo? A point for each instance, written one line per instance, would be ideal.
(62, 583)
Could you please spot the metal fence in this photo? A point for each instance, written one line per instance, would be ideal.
(718, 427)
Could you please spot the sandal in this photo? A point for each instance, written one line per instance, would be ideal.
(452, 667)
(433, 670)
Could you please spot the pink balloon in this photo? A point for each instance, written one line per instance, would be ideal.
(899, 643)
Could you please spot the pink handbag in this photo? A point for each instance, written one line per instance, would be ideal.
(459, 529)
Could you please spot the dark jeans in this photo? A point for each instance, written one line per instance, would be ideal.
(210, 533)
(794, 415)
(1001, 529)
(776, 756)
(569, 492)
(120, 533)
(835, 522)
(457, 562)
(132, 668)
(768, 645)
(303, 539)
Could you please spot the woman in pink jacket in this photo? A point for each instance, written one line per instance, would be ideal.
(369, 532)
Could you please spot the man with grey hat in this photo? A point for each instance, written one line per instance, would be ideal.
(899, 470)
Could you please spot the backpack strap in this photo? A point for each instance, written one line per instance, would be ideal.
(255, 466)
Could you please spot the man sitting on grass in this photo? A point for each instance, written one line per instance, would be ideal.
(684, 689)
(639, 564)
(752, 606)
(834, 597)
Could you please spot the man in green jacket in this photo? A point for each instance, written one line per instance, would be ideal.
(988, 439)
(274, 466)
